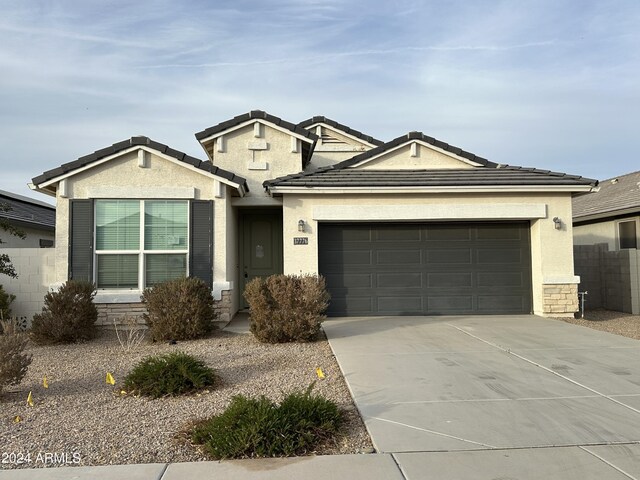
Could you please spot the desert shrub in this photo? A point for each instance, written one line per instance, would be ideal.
(174, 373)
(5, 304)
(129, 332)
(13, 361)
(68, 315)
(180, 309)
(286, 308)
(257, 427)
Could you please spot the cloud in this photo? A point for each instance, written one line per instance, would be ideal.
(544, 83)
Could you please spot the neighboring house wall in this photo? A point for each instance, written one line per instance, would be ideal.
(32, 240)
(552, 268)
(611, 278)
(36, 272)
(595, 233)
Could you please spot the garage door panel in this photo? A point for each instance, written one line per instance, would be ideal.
(426, 268)
(339, 259)
(500, 303)
(501, 279)
(498, 232)
(447, 233)
(398, 257)
(498, 256)
(403, 304)
(409, 234)
(351, 280)
(449, 303)
(398, 280)
(447, 280)
(449, 255)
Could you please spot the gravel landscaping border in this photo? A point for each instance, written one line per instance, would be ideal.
(610, 321)
(85, 421)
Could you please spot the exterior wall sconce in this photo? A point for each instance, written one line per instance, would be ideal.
(301, 225)
(557, 223)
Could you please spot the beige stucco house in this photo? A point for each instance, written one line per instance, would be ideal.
(410, 226)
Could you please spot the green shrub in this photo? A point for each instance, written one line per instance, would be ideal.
(13, 361)
(174, 373)
(180, 309)
(286, 308)
(257, 427)
(68, 315)
(5, 304)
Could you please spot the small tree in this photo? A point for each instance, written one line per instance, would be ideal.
(6, 267)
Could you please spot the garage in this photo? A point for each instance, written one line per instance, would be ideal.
(426, 269)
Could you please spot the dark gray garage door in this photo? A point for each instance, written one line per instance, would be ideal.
(431, 269)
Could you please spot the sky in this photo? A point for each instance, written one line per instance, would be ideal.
(552, 84)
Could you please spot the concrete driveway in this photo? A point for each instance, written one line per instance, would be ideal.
(491, 391)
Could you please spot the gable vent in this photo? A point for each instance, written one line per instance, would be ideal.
(327, 138)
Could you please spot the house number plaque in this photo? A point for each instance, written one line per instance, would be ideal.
(300, 240)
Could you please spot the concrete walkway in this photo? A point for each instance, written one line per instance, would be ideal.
(464, 398)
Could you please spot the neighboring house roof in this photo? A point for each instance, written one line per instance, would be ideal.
(616, 196)
(339, 126)
(204, 165)
(486, 174)
(27, 210)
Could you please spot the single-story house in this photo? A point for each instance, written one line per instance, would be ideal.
(611, 215)
(409, 226)
(34, 218)
(606, 234)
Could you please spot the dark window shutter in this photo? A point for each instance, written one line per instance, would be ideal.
(201, 241)
(81, 240)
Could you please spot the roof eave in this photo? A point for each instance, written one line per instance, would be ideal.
(277, 190)
(606, 215)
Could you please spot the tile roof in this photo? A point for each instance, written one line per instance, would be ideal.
(255, 115)
(28, 210)
(204, 165)
(339, 126)
(415, 136)
(615, 194)
(479, 176)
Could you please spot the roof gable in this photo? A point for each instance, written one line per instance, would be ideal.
(615, 196)
(246, 118)
(329, 126)
(134, 143)
(415, 140)
(307, 139)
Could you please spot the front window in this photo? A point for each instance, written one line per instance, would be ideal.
(135, 251)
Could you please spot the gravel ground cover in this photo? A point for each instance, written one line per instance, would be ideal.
(609, 321)
(86, 421)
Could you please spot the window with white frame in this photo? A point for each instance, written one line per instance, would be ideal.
(140, 243)
(627, 236)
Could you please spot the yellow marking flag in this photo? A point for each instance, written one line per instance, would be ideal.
(30, 400)
(45, 383)
(110, 380)
(18, 419)
(319, 372)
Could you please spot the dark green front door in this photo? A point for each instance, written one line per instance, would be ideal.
(261, 246)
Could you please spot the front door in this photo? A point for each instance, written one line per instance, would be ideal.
(261, 246)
